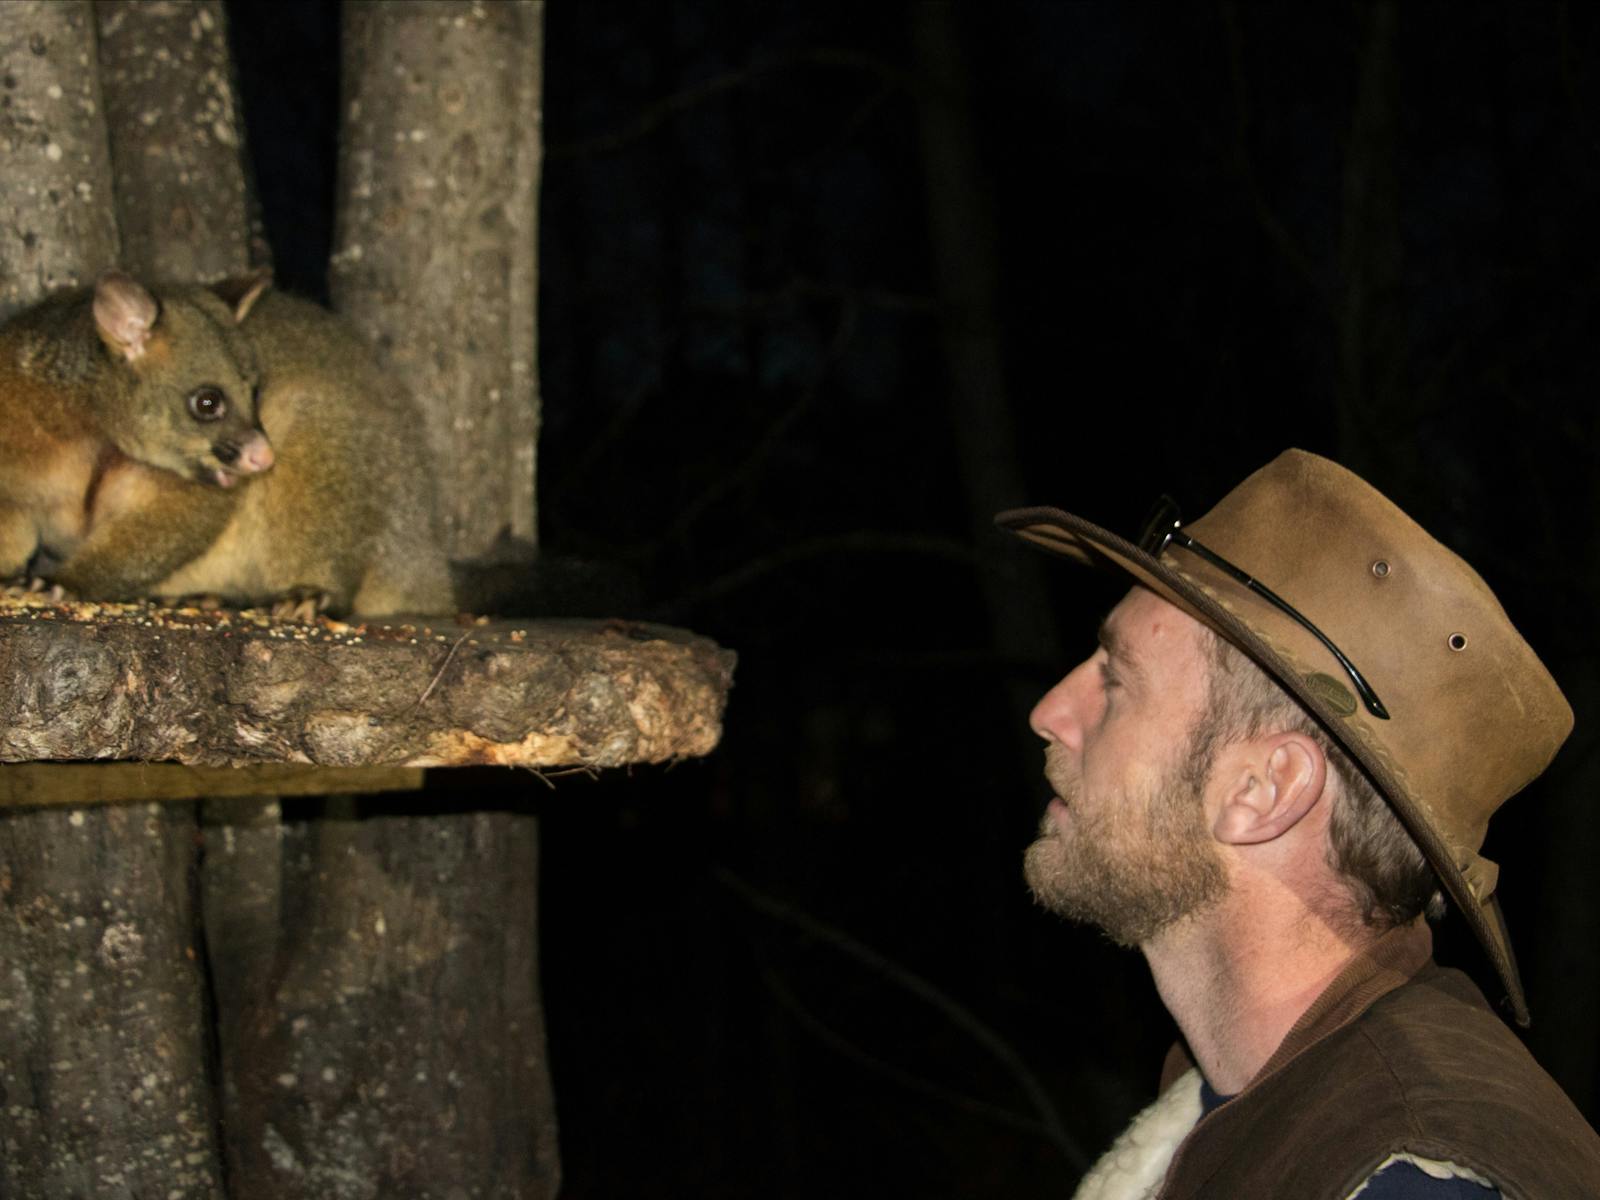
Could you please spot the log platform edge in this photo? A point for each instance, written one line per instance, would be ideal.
(85, 681)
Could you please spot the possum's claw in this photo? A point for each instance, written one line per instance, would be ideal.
(303, 604)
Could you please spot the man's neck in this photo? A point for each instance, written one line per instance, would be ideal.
(1236, 982)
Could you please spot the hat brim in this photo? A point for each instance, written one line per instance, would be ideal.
(1082, 541)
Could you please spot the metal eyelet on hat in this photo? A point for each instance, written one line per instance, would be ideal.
(1380, 569)
(1457, 641)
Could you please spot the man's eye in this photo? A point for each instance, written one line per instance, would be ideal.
(1108, 677)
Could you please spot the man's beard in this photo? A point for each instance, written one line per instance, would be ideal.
(1132, 863)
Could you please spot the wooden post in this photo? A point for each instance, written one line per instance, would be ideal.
(184, 211)
(435, 247)
(404, 1005)
(177, 140)
(55, 185)
(103, 1061)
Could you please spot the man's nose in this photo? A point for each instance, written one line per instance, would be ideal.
(1062, 712)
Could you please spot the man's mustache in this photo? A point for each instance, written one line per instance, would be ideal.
(1063, 780)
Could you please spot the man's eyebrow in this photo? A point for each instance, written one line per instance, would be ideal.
(1117, 648)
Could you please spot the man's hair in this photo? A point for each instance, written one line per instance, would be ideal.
(1388, 880)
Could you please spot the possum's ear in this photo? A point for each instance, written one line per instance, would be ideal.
(242, 293)
(124, 313)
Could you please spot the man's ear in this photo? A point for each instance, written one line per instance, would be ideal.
(1280, 782)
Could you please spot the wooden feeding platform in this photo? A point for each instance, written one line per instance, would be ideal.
(106, 702)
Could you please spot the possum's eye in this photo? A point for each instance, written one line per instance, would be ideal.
(208, 403)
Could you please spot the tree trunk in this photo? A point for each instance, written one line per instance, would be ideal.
(183, 209)
(399, 1046)
(56, 223)
(102, 1045)
(434, 253)
(183, 204)
(399, 1049)
(103, 1055)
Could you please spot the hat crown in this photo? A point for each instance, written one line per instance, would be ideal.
(1474, 714)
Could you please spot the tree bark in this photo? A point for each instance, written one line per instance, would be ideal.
(403, 1006)
(184, 213)
(398, 1049)
(102, 1046)
(56, 223)
(134, 682)
(177, 140)
(435, 245)
(103, 1055)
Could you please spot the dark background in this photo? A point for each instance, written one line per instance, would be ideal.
(786, 383)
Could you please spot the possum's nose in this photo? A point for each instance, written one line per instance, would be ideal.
(252, 455)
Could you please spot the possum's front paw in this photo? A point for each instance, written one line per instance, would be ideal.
(55, 591)
(302, 604)
(204, 601)
(32, 585)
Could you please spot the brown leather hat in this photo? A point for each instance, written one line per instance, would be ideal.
(1472, 716)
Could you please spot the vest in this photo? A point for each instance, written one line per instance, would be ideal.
(1397, 1058)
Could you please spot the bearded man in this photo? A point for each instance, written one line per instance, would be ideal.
(1276, 767)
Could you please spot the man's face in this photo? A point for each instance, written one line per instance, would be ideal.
(1125, 843)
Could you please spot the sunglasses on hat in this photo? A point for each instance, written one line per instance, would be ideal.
(1163, 528)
